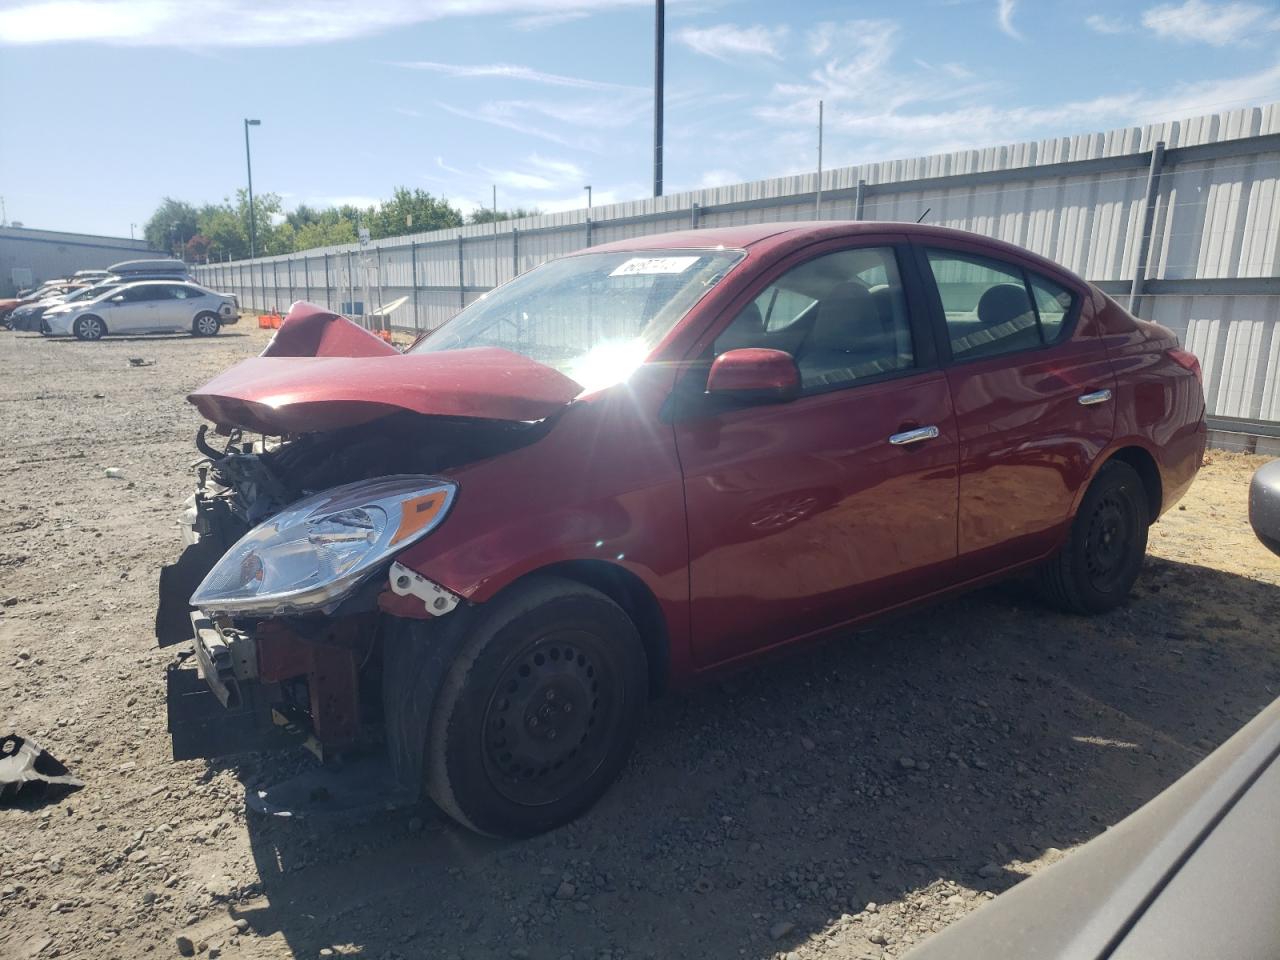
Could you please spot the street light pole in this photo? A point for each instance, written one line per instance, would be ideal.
(588, 189)
(659, 40)
(253, 225)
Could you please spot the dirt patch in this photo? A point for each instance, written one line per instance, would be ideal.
(847, 800)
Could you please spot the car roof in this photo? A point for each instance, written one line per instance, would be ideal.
(761, 236)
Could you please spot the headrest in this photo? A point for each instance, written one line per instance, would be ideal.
(846, 318)
(1002, 303)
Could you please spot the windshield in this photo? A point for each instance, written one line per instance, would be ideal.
(90, 293)
(594, 317)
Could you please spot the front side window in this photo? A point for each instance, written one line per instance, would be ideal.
(843, 316)
(993, 307)
(594, 317)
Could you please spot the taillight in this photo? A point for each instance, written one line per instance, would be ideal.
(1188, 361)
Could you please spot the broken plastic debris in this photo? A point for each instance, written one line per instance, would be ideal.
(115, 473)
(140, 362)
(23, 762)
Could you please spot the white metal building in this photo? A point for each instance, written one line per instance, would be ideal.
(29, 256)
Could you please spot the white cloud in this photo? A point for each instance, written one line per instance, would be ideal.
(729, 42)
(406, 112)
(511, 71)
(1101, 23)
(1004, 16)
(1218, 24)
(539, 174)
(719, 178)
(540, 21)
(876, 110)
(252, 23)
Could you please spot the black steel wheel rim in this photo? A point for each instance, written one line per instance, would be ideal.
(551, 718)
(1109, 541)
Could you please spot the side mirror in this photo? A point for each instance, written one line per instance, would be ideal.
(754, 375)
(118, 298)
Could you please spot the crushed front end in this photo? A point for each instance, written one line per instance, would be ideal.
(289, 583)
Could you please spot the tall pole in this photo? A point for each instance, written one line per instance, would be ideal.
(588, 189)
(659, 32)
(253, 220)
(817, 203)
(495, 234)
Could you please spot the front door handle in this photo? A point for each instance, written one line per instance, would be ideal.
(914, 436)
(1098, 396)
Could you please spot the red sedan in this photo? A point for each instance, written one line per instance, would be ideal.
(645, 462)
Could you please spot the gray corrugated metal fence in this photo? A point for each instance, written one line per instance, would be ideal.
(1203, 257)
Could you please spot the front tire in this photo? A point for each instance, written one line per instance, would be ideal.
(1097, 566)
(538, 712)
(205, 325)
(90, 328)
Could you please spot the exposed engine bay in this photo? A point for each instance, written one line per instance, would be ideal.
(259, 478)
(305, 674)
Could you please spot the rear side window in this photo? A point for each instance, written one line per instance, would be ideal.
(993, 307)
(143, 294)
(186, 293)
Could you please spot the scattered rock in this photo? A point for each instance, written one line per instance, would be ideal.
(186, 946)
(781, 929)
(989, 871)
(565, 891)
(906, 763)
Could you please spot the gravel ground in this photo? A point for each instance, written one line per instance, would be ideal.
(845, 801)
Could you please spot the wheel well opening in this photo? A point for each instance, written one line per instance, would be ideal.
(1145, 465)
(630, 593)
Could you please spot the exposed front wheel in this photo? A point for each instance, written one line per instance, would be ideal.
(538, 712)
(89, 328)
(205, 325)
(1097, 566)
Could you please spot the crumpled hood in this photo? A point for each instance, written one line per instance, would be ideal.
(323, 372)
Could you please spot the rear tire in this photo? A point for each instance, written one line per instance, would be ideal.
(205, 325)
(90, 328)
(1096, 568)
(538, 712)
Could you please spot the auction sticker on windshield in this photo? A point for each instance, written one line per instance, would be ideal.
(642, 265)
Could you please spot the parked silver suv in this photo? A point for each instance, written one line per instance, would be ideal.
(148, 306)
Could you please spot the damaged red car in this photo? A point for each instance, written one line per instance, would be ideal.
(639, 464)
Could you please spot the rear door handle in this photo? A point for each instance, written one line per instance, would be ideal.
(914, 436)
(1098, 396)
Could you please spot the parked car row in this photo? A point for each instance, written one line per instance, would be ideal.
(139, 296)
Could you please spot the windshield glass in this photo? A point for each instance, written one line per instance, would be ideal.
(594, 317)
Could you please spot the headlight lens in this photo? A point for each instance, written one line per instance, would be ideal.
(312, 554)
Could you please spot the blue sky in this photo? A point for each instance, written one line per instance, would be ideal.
(108, 105)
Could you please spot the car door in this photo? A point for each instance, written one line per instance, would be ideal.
(132, 309)
(183, 306)
(811, 513)
(1032, 391)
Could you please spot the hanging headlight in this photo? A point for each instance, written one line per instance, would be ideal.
(312, 554)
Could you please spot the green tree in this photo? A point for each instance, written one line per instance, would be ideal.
(410, 211)
(486, 215)
(172, 225)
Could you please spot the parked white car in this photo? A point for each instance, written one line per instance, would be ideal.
(147, 306)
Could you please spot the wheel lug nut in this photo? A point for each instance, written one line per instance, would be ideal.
(533, 721)
(568, 708)
(551, 734)
(551, 694)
